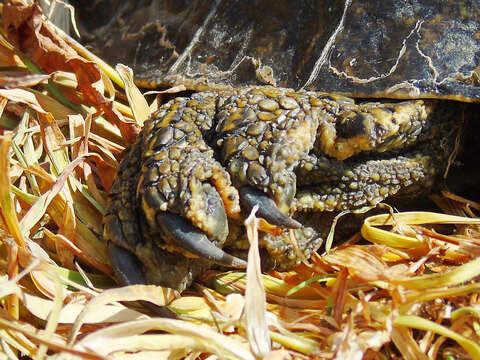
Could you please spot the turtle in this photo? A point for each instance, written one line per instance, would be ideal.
(295, 110)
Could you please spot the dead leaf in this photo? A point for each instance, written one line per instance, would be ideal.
(26, 29)
(22, 80)
(24, 97)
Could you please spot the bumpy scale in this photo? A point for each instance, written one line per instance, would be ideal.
(201, 163)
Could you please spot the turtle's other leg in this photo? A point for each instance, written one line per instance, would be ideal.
(375, 151)
(369, 182)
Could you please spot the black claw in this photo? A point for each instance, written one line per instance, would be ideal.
(267, 209)
(127, 267)
(128, 270)
(189, 238)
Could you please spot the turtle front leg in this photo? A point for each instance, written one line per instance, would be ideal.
(167, 215)
(133, 255)
(184, 195)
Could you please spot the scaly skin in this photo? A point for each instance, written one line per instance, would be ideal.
(197, 160)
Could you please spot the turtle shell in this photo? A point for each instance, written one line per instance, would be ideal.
(375, 48)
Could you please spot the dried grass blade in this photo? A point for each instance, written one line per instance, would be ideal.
(83, 129)
(42, 271)
(52, 88)
(339, 296)
(155, 294)
(408, 347)
(92, 248)
(14, 340)
(193, 307)
(9, 287)
(380, 236)
(3, 103)
(41, 308)
(26, 155)
(48, 48)
(234, 281)
(91, 85)
(38, 209)
(52, 321)
(59, 111)
(424, 295)
(21, 80)
(6, 200)
(24, 97)
(255, 298)
(53, 344)
(171, 346)
(8, 55)
(156, 355)
(81, 50)
(296, 342)
(346, 344)
(53, 139)
(456, 276)
(7, 208)
(136, 100)
(415, 322)
(205, 339)
(466, 310)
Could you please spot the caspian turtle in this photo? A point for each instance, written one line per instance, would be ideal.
(203, 161)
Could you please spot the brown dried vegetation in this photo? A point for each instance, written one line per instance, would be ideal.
(411, 293)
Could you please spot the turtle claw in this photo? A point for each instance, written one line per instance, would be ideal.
(127, 270)
(125, 264)
(178, 231)
(267, 209)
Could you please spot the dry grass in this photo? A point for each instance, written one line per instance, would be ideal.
(66, 116)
